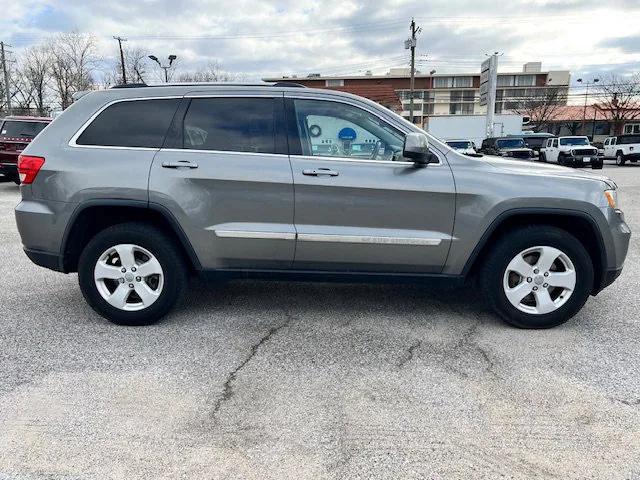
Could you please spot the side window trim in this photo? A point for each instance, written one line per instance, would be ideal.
(73, 141)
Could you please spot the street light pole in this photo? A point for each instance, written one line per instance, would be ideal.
(164, 67)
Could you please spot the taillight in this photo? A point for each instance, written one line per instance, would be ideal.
(28, 168)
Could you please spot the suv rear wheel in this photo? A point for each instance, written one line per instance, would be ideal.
(132, 274)
(537, 277)
(620, 159)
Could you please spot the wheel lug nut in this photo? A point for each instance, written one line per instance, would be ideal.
(535, 288)
(131, 285)
(133, 269)
(529, 279)
(138, 279)
(536, 271)
(546, 274)
(123, 269)
(545, 285)
(121, 280)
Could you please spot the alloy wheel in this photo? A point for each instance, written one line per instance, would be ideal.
(128, 277)
(539, 280)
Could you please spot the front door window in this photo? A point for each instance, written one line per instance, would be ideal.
(332, 129)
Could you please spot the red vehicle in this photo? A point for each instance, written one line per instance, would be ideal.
(15, 134)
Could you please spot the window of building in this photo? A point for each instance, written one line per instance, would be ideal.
(334, 83)
(632, 128)
(354, 133)
(442, 82)
(463, 82)
(525, 80)
(230, 124)
(506, 81)
(461, 108)
(138, 123)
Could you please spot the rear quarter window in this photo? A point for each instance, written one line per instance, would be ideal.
(131, 123)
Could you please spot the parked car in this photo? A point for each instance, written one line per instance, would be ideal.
(598, 146)
(465, 147)
(15, 134)
(506, 147)
(575, 151)
(137, 188)
(534, 141)
(623, 148)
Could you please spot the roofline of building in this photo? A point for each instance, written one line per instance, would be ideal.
(418, 75)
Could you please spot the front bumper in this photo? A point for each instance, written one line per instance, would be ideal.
(582, 161)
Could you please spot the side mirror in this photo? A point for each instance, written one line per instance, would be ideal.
(416, 148)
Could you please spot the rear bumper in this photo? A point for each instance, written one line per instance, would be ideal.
(8, 169)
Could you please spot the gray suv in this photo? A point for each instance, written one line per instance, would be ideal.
(137, 188)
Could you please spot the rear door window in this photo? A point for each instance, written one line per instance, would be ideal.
(136, 123)
(231, 125)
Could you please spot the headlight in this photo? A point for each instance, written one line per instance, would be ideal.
(612, 198)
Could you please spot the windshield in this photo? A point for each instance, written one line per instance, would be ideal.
(15, 128)
(510, 143)
(574, 141)
(461, 144)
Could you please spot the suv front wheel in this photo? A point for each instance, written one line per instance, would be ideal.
(537, 277)
(132, 274)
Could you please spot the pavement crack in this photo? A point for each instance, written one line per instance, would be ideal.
(227, 387)
(408, 354)
(630, 403)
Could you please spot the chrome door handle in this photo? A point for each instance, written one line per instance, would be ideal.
(179, 164)
(315, 172)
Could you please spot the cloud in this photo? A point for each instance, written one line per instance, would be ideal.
(630, 44)
(268, 38)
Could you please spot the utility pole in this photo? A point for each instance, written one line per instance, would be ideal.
(6, 77)
(586, 96)
(410, 44)
(124, 70)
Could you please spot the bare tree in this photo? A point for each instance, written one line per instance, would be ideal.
(35, 75)
(541, 107)
(212, 73)
(135, 61)
(72, 64)
(619, 99)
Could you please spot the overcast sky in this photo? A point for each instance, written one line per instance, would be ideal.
(266, 38)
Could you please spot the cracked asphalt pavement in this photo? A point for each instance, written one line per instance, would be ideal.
(258, 380)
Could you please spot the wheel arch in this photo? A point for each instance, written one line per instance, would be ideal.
(94, 216)
(578, 223)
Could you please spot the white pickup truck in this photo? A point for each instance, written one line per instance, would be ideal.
(570, 151)
(623, 148)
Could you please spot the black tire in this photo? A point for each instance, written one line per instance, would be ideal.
(620, 159)
(155, 241)
(542, 157)
(15, 179)
(507, 247)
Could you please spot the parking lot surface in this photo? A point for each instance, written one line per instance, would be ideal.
(259, 380)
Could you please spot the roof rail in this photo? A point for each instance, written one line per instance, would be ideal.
(130, 85)
(289, 84)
